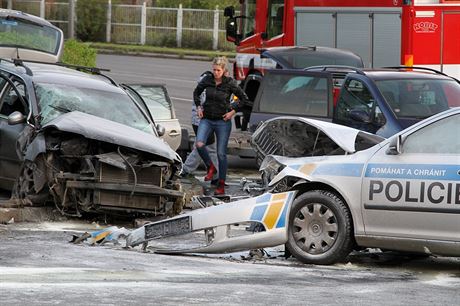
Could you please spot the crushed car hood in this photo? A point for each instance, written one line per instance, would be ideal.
(299, 137)
(101, 129)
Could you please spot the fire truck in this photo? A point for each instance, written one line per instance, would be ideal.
(383, 32)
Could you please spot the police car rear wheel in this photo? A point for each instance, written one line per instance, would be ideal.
(320, 230)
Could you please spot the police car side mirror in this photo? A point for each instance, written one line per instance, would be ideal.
(394, 148)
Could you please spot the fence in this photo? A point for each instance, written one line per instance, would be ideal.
(138, 24)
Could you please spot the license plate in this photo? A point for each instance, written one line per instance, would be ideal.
(168, 228)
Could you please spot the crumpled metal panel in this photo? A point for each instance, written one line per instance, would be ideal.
(298, 137)
(269, 210)
(97, 128)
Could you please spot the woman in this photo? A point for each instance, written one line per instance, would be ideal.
(216, 113)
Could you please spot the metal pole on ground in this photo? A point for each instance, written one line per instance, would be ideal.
(42, 9)
(143, 22)
(71, 30)
(179, 26)
(215, 30)
(9, 5)
(108, 30)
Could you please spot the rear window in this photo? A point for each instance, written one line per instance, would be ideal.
(419, 98)
(301, 95)
(17, 32)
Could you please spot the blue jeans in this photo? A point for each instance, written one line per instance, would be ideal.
(222, 130)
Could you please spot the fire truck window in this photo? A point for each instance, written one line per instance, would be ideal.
(275, 18)
(248, 22)
(354, 96)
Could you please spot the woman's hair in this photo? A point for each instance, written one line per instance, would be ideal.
(220, 61)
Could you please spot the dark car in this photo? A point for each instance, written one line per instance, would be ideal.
(82, 143)
(378, 101)
(299, 57)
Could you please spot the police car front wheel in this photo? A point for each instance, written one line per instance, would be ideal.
(320, 228)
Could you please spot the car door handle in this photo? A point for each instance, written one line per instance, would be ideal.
(174, 133)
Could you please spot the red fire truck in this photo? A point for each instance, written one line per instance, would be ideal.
(382, 32)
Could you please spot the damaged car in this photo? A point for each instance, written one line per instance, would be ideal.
(299, 137)
(82, 143)
(401, 194)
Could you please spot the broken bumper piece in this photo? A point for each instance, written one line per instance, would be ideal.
(269, 210)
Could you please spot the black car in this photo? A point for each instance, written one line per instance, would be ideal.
(292, 57)
(81, 143)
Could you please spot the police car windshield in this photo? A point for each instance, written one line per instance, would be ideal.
(57, 99)
(419, 98)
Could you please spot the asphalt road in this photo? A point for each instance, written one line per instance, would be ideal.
(179, 75)
(39, 267)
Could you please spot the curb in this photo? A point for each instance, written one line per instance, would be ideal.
(159, 55)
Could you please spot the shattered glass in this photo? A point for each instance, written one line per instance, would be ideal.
(56, 99)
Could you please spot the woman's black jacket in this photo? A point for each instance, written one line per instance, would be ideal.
(217, 101)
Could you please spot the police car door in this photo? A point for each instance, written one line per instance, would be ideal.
(411, 187)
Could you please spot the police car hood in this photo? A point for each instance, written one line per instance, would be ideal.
(101, 129)
(298, 137)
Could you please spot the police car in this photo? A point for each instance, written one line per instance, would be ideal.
(401, 194)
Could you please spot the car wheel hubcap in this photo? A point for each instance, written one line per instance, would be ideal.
(315, 228)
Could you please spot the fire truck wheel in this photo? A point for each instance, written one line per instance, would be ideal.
(320, 228)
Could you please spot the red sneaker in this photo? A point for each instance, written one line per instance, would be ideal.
(211, 171)
(220, 188)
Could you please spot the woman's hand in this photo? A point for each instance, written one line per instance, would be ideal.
(229, 115)
(199, 112)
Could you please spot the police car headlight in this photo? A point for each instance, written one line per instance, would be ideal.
(269, 168)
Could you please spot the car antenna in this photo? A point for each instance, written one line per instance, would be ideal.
(19, 62)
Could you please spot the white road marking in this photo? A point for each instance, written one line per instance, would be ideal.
(149, 76)
(182, 99)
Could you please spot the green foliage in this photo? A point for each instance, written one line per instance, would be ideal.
(77, 53)
(28, 40)
(92, 18)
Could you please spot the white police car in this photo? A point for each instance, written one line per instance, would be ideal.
(401, 194)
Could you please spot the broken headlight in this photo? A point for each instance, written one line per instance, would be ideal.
(269, 168)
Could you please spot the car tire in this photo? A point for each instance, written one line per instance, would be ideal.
(320, 228)
(26, 188)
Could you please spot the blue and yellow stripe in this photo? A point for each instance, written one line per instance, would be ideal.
(272, 210)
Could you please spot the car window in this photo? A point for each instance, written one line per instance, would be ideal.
(57, 99)
(294, 95)
(440, 137)
(419, 98)
(10, 101)
(156, 99)
(275, 18)
(15, 31)
(354, 96)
